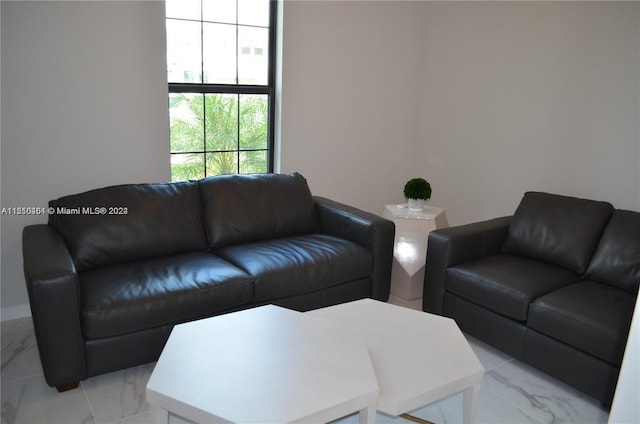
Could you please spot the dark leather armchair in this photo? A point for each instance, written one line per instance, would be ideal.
(554, 285)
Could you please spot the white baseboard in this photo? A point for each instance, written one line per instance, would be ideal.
(14, 312)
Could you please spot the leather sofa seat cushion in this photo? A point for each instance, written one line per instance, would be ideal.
(557, 229)
(506, 284)
(616, 260)
(301, 264)
(591, 316)
(245, 208)
(126, 298)
(159, 219)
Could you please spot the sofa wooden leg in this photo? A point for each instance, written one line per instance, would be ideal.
(69, 386)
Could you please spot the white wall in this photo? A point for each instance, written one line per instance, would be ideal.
(349, 104)
(486, 100)
(84, 105)
(519, 96)
(626, 408)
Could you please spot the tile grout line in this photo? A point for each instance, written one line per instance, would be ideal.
(86, 397)
(26, 377)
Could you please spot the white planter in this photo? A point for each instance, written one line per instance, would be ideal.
(417, 204)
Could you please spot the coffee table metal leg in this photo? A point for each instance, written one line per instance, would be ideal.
(415, 419)
(368, 415)
(159, 415)
(471, 403)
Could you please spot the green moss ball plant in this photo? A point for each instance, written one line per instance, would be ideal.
(417, 191)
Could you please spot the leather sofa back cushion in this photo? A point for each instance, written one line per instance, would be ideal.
(243, 208)
(159, 219)
(557, 229)
(617, 258)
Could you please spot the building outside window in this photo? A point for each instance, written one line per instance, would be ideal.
(220, 67)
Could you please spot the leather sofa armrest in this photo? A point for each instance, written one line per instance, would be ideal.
(366, 229)
(453, 245)
(54, 297)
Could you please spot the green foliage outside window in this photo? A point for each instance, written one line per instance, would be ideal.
(215, 134)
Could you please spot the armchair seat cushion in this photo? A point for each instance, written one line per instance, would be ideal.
(506, 284)
(130, 297)
(591, 316)
(294, 265)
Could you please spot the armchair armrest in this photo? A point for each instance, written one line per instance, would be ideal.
(453, 245)
(366, 229)
(54, 297)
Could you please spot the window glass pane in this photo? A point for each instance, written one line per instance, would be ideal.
(186, 114)
(220, 53)
(222, 163)
(219, 11)
(253, 162)
(253, 121)
(187, 166)
(183, 9)
(184, 50)
(253, 12)
(221, 119)
(253, 56)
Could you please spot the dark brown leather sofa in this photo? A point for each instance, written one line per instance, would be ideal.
(117, 267)
(554, 285)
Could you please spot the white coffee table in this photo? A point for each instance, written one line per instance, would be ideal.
(267, 365)
(418, 357)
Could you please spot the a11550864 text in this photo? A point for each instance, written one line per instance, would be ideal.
(64, 210)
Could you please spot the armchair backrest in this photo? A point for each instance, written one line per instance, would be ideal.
(557, 229)
(130, 222)
(244, 208)
(616, 260)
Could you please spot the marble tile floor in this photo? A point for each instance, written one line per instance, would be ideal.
(511, 391)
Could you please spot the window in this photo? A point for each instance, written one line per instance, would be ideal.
(220, 66)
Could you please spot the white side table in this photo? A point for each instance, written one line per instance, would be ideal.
(410, 246)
